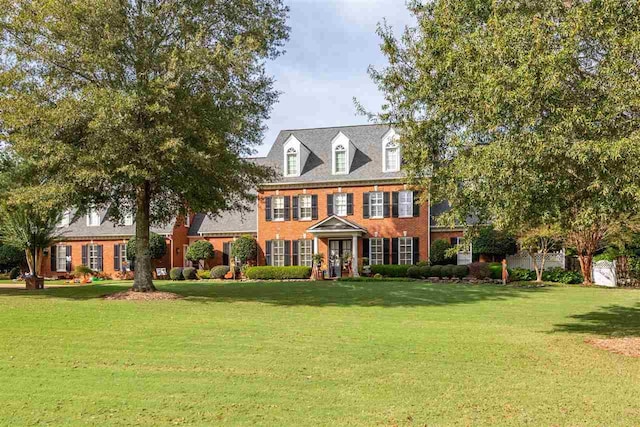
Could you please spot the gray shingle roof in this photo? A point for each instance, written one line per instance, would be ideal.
(227, 222)
(367, 162)
(107, 228)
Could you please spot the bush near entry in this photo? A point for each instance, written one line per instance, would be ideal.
(219, 271)
(278, 273)
(176, 274)
(390, 270)
(189, 273)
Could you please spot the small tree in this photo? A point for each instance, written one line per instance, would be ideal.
(157, 247)
(540, 241)
(245, 248)
(439, 253)
(494, 243)
(200, 250)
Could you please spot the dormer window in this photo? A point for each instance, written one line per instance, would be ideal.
(292, 162)
(93, 218)
(340, 159)
(128, 219)
(392, 157)
(65, 221)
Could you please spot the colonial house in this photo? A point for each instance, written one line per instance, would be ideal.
(340, 192)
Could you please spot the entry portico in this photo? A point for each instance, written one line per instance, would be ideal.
(336, 229)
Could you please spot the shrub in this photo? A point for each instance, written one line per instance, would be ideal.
(425, 271)
(14, 273)
(558, 275)
(245, 248)
(448, 270)
(377, 276)
(199, 250)
(496, 270)
(82, 270)
(390, 270)
(460, 271)
(521, 274)
(278, 273)
(176, 273)
(494, 242)
(219, 271)
(436, 271)
(414, 272)
(438, 253)
(479, 270)
(189, 273)
(204, 274)
(423, 264)
(157, 247)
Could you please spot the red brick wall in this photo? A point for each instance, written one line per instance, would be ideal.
(385, 227)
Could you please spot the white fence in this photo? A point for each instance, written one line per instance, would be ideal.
(523, 260)
(465, 258)
(604, 273)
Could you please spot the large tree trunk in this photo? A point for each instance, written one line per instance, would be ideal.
(586, 266)
(143, 279)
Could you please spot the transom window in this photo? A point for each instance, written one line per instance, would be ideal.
(376, 205)
(277, 246)
(305, 207)
(340, 159)
(61, 258)
(405, 250)
(93, 218)
(405, 204)
(306, 252)
(94, 263)
(278, 208)
(392, 157)
(292, 161)
(376, 251)
(340, 204)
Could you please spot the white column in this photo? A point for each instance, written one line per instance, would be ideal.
(354, 256)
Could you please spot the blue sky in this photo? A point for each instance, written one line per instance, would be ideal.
(332, 42)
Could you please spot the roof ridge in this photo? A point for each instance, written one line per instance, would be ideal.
(335, 127)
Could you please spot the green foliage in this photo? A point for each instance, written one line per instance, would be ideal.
(634, 267)
(479, 270)
(559, 275)
(82, 270)
(495, 269)
(278, 273)
(494, 242)
(14, 273)
(521, 275)
(204, 274)
(460, 271)
(438, 254)
(189, 273)
(11, 257)
(390, 270)
(157, 247)
(609, 254)
(219, 271)
(176, 273)
(448, 271)
(414, 272)
(200, 250)
(436, 271)
(245, 248)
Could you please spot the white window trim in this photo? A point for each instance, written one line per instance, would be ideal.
(300, 207)
(89, 215)
(391, 137)
(410, 239)
(337, 196)
(410, 205)
(309, 243)
(273, 208)
(371, 215)
(280, 245)
(291, 152)
(128, 219)
(58, 258)
(341, 140)
(381, 242)
(93, 248)
(292, 144)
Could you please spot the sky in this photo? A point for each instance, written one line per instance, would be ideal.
(331, 45)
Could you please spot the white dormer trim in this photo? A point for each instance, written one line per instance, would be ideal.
(93, 218)
(391, 140)
(293, 146)
(341, 140)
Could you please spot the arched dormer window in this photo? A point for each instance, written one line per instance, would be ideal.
(340, 159)
(292, 162)
(391, 157)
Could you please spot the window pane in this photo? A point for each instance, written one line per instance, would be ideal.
(405, 204)
(305, 248)
(61, 258)
(376, 205)
(392, 158)
(340, 204)
(278, 253)
(305, 207)
(341, 161)
(278, 208)
(376, 251)
(291, 164)
(405, 250)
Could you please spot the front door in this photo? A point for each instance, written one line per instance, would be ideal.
(337, 249)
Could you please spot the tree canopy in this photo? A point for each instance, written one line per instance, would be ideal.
(200, 250)
(150, 107)
(157, 247)
(245, 248)
(524, 113)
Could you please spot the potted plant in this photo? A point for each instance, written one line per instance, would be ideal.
(346, 262)
(366, 268)
(317, 260)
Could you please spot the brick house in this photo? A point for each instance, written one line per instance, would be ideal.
(339, 190)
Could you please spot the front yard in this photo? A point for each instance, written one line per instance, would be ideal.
(388, 353)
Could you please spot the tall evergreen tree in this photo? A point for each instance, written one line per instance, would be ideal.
(149, 106)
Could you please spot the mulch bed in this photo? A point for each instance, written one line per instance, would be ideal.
(625, 346)
(142, 296)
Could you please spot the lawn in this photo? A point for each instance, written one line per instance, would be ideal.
(392, 353)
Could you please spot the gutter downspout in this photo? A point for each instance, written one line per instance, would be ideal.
(171, 245)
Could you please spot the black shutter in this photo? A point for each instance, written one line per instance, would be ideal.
(386, 251)
(416, 203)
(295, 259)
(53, 259)
(394, 251)
(394, 204)
(116, 257)
(365, 249)
(387, 204)
(68, 253)
(267, 208)
(365, 205)
(349, 203)
(416, 250)
(287, 208)
(225, 253)
(85, 255)
(314, 206)
(267, 252)
(329, 204)
(100, 266)
(294, 208)
(287, 252)
(453, 241)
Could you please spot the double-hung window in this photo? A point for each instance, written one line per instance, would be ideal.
(278, 208)
(340, 204)
(405, 204)
(340, 159)
(405, 250)
(278, 253)
(61, 258)
(93, 257)
(376, 251)
(376, 205)
(124, 264)
(306, 251)
(292, 161)
(93, 218)
(305, 207)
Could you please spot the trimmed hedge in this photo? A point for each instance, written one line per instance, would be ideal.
(436, 271)
(414, 272)
(204, 274)
(460, 271)
(219, 271)
(176, 273)
(390, 270)
(278, 273)
(479, 270)
(448, 271)
(189, 273)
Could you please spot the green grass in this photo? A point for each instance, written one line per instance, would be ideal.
(386, 353)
